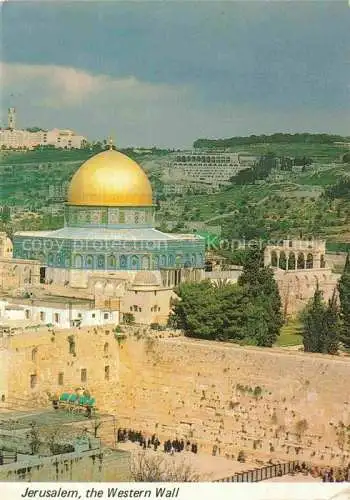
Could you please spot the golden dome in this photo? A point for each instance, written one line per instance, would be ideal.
(110, 178)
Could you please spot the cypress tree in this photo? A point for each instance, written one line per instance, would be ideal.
(313, 323)
(344, 295)
(331, 326)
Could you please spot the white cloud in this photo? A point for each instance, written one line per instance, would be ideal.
(140, 113)
(70, 87)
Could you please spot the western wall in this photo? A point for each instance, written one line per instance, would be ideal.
(282, 403)
(267, 402)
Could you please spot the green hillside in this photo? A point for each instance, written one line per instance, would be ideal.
(285, 204)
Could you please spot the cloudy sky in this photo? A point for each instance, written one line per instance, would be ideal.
(166, 73)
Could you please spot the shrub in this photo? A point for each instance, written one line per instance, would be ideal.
(155, 326)
(257, 391)
(128, 318)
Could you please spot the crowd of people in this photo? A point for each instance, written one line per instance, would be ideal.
(169, 446)
(327, 474)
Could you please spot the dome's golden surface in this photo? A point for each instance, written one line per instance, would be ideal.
(110, 179)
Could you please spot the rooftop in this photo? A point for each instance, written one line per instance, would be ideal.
(101, 233)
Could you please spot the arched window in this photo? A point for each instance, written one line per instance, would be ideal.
(135, 262)
(145, 262)
(106, 348)
(301, 261)
(283, 261)
(309, 261)
(193, 259)
(123, 262)
(155, 262)
(101, 261)
(112, 262)
(187, 260)
(291, 260)
(178, 260)
(34, 354)
(89, 261)
(274, 258)
(322, 261)
(78, 261)
(163, 260)
(171, 260)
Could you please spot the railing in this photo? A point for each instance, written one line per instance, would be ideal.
(262, 473)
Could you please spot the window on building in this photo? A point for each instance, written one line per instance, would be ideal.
(60, 378)
(140, 310)
(71, 344)
(106, 372)
(135, 308)
(33, 381)
(130, 308)
(106, 315)
(27, 314)
(34, 354)
(155, 292)
(93, 315)
(106, 348)
(79, 315)
(57, 318)
(83, 375)
(42, 316)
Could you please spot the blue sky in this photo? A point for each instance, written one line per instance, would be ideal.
(166, 73)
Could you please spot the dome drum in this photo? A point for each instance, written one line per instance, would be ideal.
(112, 217)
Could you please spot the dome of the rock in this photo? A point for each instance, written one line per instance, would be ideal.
(110, 178)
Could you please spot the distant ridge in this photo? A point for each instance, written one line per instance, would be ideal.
(277, 138)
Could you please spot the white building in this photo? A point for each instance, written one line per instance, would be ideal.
(215, 169)
(12, 138)
(61, 314)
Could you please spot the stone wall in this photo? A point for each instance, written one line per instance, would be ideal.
(18, 273)
(37, 357)
(95, 465)
(266, 401)
(298, 287)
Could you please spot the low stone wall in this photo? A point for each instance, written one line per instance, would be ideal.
(96, 466)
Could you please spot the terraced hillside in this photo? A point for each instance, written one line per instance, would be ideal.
(287, 203)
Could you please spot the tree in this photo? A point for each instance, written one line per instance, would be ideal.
(149, 468)
(248, 312)
(331, 326)
(5, 214)
(321, 324)
(197, 310)
(263, 292)
(128, 318)
(313, 323)
(344, 296)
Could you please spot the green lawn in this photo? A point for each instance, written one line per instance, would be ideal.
(290, 334)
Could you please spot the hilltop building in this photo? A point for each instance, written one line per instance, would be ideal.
(208, 168)
(12, 138)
